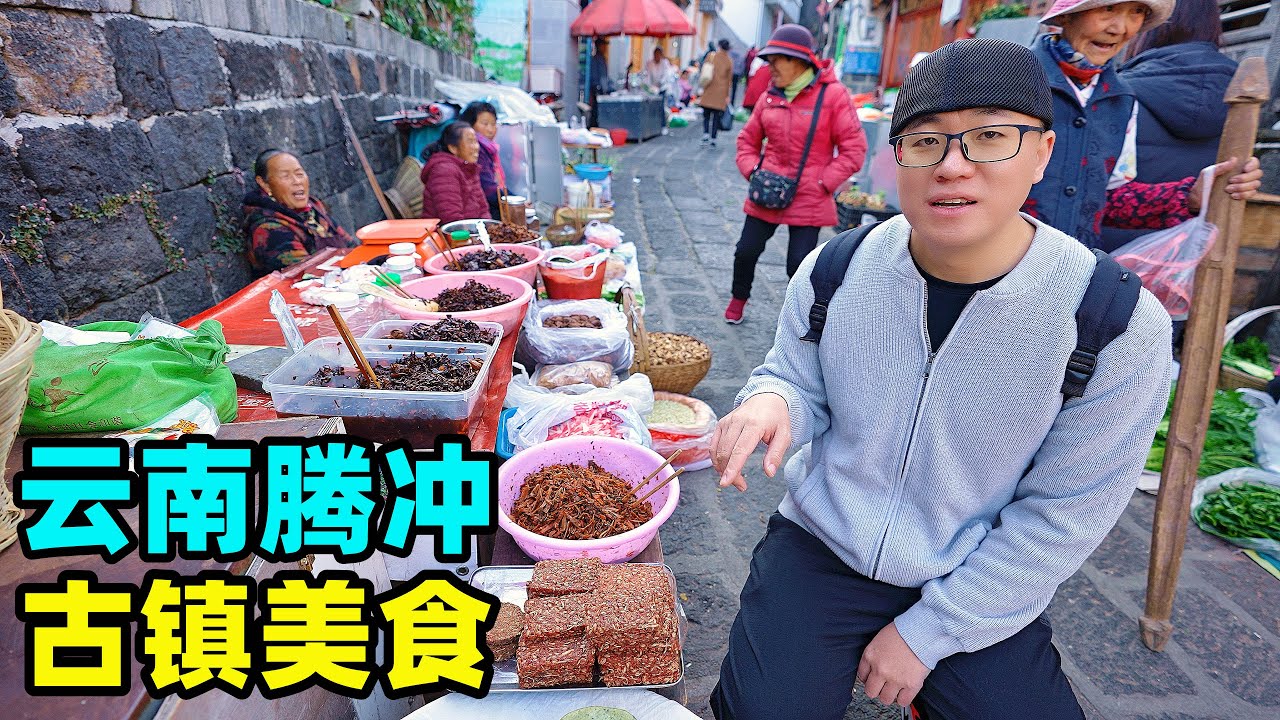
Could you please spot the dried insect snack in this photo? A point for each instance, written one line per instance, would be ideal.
(564, 577)
(572, 502)
(450, 329)
(648, 668)
(632, 609)
(555, 662)
(552, 617)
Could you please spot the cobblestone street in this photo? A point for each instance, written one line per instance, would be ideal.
(682, 205)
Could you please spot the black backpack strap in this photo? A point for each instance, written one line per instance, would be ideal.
(1103, 316)
(828, 274)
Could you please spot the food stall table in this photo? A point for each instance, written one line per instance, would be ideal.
(642, 116)
(593, 149)
(247, 320)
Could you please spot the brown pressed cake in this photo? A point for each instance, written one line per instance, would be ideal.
(620, 617)
(551, 617)
(554, 662)
(505, 634)
(564, 577)
(653, 667)
(633, 608)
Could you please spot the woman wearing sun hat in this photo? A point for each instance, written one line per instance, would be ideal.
(777, 141)
(1090, 177)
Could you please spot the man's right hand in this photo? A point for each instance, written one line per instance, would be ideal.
(762, 418)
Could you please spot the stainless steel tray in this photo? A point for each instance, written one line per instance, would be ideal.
(509, 584)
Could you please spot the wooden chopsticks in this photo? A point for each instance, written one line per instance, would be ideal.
(660, 485)
(354, 347)
(655, 472)
(395, 286)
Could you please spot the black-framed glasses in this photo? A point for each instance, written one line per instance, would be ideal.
(986, 144)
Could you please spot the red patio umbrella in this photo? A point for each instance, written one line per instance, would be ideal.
(652, 18)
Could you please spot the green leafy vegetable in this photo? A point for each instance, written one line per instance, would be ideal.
(1239, 511)
(1228, 443)
(1250, 355)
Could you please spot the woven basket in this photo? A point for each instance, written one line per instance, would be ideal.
(681, 378)
(405, 193)
(1230, 378)
(19, 339)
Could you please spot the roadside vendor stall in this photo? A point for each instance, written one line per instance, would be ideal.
(537, 352)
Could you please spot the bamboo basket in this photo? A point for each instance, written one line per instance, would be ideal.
(405, 193)
(19, 339)
(681, 379)
(1230, 378)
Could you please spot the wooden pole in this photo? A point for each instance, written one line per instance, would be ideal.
(364, 161)
(1201, 355)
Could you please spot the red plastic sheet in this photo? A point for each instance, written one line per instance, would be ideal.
(246, 320)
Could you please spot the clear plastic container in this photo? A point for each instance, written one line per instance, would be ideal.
(380, 329)
(378, 415)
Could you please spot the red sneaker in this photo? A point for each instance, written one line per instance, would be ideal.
(733, 313)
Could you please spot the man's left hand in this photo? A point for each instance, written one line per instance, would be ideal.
(889, 669)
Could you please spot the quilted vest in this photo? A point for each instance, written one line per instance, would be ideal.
(1073, 193)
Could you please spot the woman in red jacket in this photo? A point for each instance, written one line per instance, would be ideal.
(782, 117)
(451, 178)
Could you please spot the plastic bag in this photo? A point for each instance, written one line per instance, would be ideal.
(603, 234)
(542, 415)
(693, 440)
(540, 345)
(1166, 260)
(1266, 429)
(198, 416)
(1235, 476)
(117, 386)
(151, 327)
(587, 372)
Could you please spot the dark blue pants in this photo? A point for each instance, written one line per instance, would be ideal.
(806, 618)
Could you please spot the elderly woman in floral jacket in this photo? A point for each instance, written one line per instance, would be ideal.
(283, 224)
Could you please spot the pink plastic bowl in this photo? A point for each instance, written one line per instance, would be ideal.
(625, 459)
(528, 272)
(509, 315)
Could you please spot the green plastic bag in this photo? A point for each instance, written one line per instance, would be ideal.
(118, 386)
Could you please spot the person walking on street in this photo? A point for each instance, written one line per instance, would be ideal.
(600, 82)
(1091, 179)
(739, 59)
(791, 136)
(715, 95)
(1179, 78)
(758, 81)
(953, 472)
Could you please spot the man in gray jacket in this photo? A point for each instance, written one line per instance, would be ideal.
(945, 489)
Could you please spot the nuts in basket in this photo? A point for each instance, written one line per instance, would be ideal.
(673, 349)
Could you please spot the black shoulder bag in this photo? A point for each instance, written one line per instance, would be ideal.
(772, 191)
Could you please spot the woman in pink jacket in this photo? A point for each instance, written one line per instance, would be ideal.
(451, 178)
(782, 117)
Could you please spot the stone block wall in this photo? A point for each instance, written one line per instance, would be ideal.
(129, 130)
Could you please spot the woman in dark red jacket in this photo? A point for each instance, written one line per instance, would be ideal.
(451, 178)
(782, 118)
